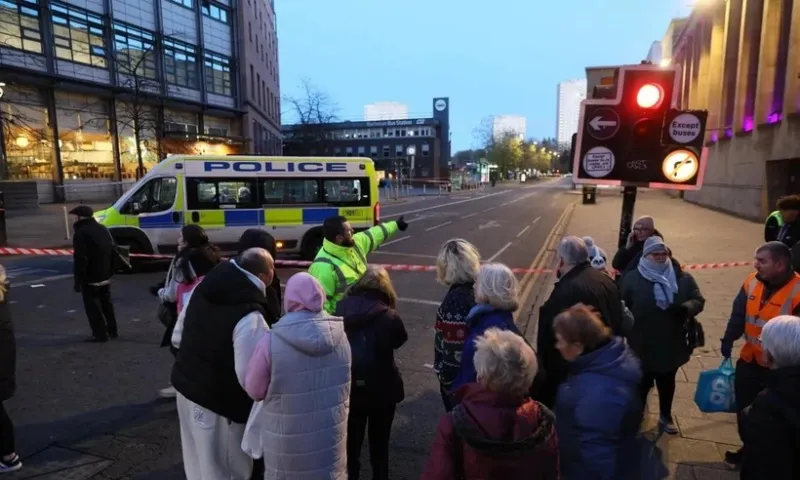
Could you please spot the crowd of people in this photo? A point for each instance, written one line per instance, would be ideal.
(286, 385)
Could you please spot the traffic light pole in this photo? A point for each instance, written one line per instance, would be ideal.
(626, 219)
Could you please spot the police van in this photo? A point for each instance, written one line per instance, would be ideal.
(289, 197)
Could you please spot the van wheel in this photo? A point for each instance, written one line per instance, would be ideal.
(311, 246)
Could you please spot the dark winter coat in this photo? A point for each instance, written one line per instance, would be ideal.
(627, 259)
(482, 317)
(659, 336)
(93, 252)
(8, 350)
(770, 428)
(582, 284)
(369, 309)
(599, 412)
(494, 436)
(450, 331)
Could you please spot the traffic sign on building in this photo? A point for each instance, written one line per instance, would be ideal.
(635, 136)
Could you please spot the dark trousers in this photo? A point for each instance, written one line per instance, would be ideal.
(447, 400)
(7, 446)
(750, 379)
(665, 385)
(377, 421)
(99, 310)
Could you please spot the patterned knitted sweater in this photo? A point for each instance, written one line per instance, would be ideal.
(451, 331)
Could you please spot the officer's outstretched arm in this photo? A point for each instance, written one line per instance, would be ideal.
(369, 240)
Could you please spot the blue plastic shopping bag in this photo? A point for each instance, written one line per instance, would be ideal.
(715, 389)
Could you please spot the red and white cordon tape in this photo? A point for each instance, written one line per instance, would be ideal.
(305, 264)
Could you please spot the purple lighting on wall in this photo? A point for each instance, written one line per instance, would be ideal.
(774, 117)
(728, 133)
(747, 124)
(714, 136)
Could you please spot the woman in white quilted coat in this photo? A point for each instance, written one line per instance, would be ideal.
(299, 376)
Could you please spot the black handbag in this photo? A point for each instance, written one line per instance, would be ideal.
(695, 335)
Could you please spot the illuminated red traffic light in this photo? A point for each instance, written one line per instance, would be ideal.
(649, 96)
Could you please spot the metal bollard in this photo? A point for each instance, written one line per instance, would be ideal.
(66, 224)
(423, 188)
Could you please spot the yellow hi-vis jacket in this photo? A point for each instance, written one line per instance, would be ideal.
(336, 267)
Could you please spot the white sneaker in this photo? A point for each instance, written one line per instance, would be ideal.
(10, 465)
(168, 392)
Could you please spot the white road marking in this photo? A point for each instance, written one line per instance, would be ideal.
(419, 301)
(41, 280)
(499, 252)
(536, 220)
(504, 204)
(70, 311)
(395, 241)
(489, 224)
(427, 365)
(437, 226)
(469, 216)
(488, 209)
(522, 232)
(392, 215)
(400, 254)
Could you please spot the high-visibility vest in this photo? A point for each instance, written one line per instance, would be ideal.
(782, 302)
(777, 216)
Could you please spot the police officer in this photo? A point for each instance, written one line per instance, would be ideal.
(772, 290)
(782, 224)
(342, 260)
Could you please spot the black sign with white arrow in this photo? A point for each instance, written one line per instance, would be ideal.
(602, 123)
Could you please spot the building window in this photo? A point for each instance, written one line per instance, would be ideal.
(349, 151)
(222, 193)
(373, 150)
(218, 74)
(180, 64)
(398, 151)
(184, 3)
(135, 51)
(217, 13)
(258, 87)
(19, 25)
(79, 35)
(426, 149)
(362, 150)
(387, 151)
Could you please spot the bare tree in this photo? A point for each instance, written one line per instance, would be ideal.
(313, 111)
(484, 134)
(136, 109)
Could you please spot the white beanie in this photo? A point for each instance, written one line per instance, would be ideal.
(597, 256)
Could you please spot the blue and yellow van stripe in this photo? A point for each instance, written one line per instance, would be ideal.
(277, 217)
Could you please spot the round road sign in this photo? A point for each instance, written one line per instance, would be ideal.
(602, 123)
(680, 166)
(685, 128)
(598, 162)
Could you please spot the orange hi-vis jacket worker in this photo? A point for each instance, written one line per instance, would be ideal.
(759, 311)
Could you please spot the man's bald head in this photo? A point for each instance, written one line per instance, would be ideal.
(258, 262)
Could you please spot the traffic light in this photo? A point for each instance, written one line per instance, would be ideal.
(636, 137)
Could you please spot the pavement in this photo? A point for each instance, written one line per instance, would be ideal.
(695, 235)
(89, 411)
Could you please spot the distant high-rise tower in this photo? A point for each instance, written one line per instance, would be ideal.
(385, 111)
(503, 125)
(570, 95)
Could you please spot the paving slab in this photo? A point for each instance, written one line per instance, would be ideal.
(696, 236)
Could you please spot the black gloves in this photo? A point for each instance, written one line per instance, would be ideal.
(401, 224)
(725, 348)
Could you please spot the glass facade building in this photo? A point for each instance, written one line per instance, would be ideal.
(101, 90)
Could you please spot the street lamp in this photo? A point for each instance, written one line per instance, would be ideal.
(411, 151)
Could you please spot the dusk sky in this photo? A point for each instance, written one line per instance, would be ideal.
(490, 58)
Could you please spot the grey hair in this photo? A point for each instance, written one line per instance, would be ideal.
(458, 262)
(497, 286)
(780, 338)
(504, 362)
(3, 284)
(573, 250)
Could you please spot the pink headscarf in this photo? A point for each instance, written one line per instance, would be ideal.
(303, 292)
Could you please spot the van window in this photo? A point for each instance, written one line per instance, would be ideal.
(346, 191)
(279, 191)
(221, 193)
(157, 195)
